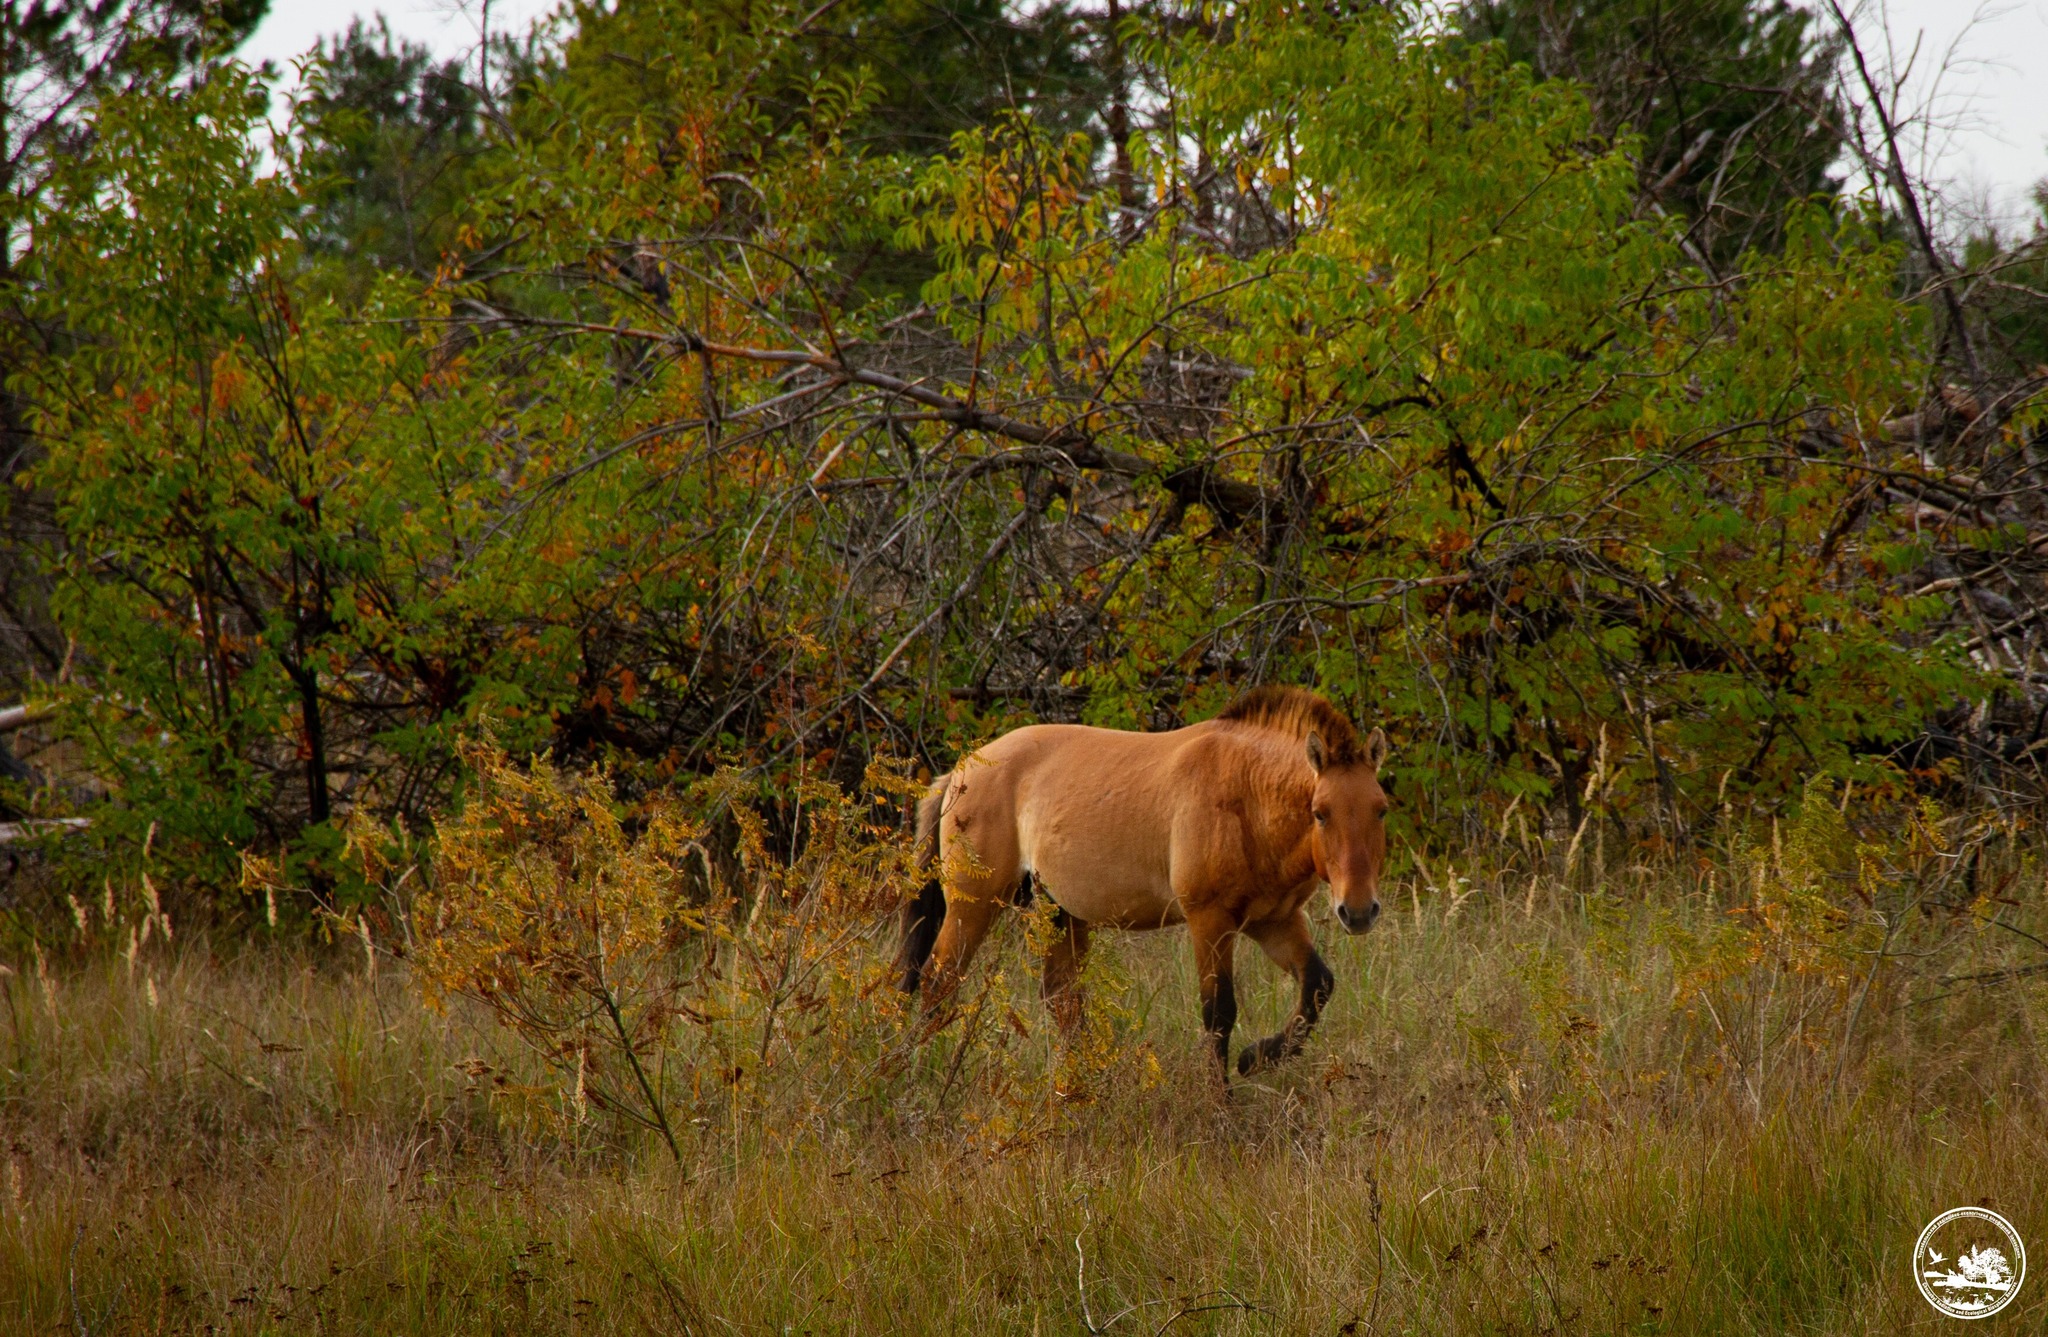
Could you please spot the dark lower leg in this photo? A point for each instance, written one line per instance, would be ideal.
(1219, 1016)
(1293, 950)
(1317, 983)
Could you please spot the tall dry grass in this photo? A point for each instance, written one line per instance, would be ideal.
(1634, 1099)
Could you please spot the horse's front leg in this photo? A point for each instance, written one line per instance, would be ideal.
(1215, 941)
(1291, 948)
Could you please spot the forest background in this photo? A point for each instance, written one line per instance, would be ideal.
(784, 397)
(531, 520)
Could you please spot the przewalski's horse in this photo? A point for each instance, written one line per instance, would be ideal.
(1225, 826)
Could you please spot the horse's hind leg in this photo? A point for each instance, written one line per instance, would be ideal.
(1060, 985)
(966, 924)
(978, 882)
(1292, 949)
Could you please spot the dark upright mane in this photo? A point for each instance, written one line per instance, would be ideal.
(1295, 711)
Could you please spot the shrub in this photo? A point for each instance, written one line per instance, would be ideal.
(571, 924)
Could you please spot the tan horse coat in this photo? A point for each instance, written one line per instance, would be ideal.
(1226, 826)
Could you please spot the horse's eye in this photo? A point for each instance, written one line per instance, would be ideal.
(1321, 818)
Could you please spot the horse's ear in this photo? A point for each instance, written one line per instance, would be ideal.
(1376, 748)
(1315, 751)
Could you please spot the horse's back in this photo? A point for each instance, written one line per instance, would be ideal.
(1090, 812)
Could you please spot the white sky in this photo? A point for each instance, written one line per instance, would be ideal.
(1986, 146)
(449, 27)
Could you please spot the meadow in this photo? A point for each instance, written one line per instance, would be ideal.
(1539, 1104)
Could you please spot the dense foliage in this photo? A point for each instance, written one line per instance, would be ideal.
(57, 61)
(705, 415)
(1734, 100)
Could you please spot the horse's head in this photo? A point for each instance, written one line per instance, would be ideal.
(1350, 836)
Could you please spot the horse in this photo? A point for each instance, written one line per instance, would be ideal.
(1225, 826)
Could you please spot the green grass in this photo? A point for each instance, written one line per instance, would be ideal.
(1506, 1125)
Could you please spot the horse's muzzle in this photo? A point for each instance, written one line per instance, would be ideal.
(1358, 921)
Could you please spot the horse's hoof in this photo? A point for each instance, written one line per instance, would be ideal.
(1249, 1061)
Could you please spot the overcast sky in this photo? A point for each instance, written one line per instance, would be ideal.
(1992, 101)
(1989, 148)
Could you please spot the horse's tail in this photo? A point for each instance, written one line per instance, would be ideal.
(924, 912)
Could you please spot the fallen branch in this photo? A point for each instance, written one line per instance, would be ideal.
(10, 832)
(15, 717)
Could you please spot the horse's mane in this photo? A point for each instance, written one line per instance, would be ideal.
(1295, 711)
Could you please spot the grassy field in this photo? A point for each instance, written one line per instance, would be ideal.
(1530, 1110)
